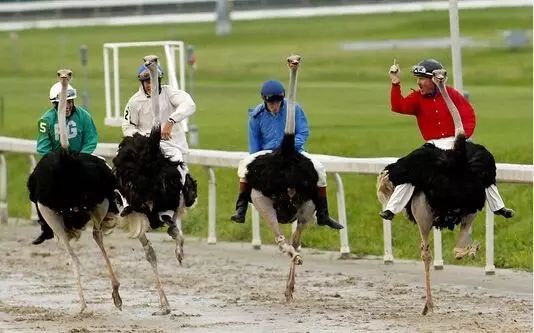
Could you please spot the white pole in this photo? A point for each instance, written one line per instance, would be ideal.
(116, 89)
(33, 215)
(3, 190)
(490, 265)
(456, 47)
(388, 249)
(256, 236)
(344, 247)
(438, 255)
(107, 87)
(171, 66)
(212, 207)
(181, 49)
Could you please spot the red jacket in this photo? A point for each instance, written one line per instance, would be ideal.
(433, 116)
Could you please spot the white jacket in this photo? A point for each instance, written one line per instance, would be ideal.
(174, 105)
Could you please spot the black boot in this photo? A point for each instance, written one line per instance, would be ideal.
(189, 190)
(321, 207)
(46, 233)
(241, 205)
(506, 212)
(387, 215)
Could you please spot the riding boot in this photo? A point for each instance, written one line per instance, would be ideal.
(189, 190)
(242, 203)
(46, 231)
(321, 207)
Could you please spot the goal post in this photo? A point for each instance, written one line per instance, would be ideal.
(175, 61)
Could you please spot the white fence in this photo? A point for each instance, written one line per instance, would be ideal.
(509, 173)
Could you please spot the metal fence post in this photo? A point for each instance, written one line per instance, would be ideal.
(344, 247)
(33, 209)
(3, 190)
(490, 265)
(388, 248)
(212, 207)
(438, 255)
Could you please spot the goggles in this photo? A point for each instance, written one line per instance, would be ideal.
(145, 75)
(273, 98)
(420, 71)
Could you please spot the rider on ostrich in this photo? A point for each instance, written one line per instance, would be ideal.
(284, 184)
(70, 188)
(437, 128)
(81, 131)
(450, 183)
(174, 106)
(265, 134)
(149, 165)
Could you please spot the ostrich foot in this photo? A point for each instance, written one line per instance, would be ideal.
(176, 234)
(162, 312)
(470, 250)
(117, 298)
(289, 295)
(297, 259)
(429, 307)
(83, 307)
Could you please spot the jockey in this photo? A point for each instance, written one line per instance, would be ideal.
(265, 133)
(175, 105)
(81, 133)
(436, 125)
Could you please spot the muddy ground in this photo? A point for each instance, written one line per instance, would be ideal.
(229, 287)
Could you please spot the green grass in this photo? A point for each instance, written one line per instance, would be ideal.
(345, 96)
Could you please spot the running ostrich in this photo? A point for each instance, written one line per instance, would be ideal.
(449, 187)
(67, 208)
(283, 184)
(150, 184)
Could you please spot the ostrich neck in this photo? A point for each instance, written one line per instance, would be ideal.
(458, 126)
(154, 95)
(62, 117)
(292, 92)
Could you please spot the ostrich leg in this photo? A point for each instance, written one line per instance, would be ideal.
(296, 260)
(464, 245)
(423, 215)
(178, 236)
(55, 222)
(151, 257)
(98, 215)
(264, 206)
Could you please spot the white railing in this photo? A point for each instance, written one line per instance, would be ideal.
(509, 173)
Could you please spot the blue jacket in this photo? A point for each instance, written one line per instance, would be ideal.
(265, 130)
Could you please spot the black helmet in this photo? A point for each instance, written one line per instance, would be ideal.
(426, 67)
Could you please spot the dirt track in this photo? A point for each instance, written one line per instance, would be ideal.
(229, 287)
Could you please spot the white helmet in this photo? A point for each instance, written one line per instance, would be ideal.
(56, 89)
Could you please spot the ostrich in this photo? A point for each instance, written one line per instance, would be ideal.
(151, 183)
(283, 183)
(449, 187)
(72, 188)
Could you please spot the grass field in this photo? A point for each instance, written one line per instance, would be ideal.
(345, 96)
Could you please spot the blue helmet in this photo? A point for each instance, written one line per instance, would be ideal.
(272, 88)
(143, 73)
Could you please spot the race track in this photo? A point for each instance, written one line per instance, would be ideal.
(229, 287)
